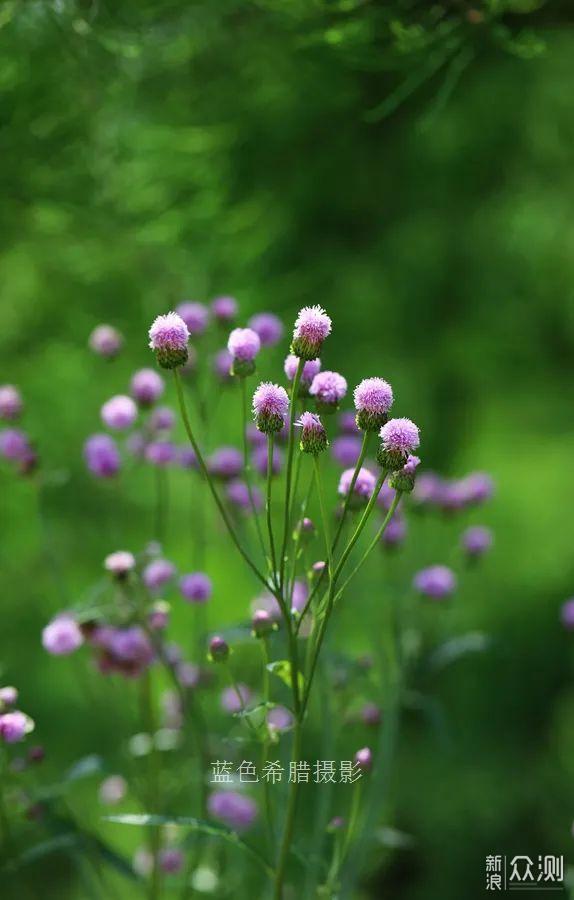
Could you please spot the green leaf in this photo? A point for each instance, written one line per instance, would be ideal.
(282, 669)
(200, 825)
(39, 851)
(84, 768)
(455, 648)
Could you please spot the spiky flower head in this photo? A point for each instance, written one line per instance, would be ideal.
(269, 328)
(62, 635)
(119, 412)
(362, 489)
(270, 407)
(311, 368)
(243, 345)
(120, 563)
(14, 726)
(224, 309)
(168, 338)
(312, 326)
(399, 438)
(235, 810)
(328, 389)
(346, 449)
(195, 316)
(146, 386)
(196, 587)
(404, 479)
(105, 340)
(373, 399)
(476, 541)
(11, 404)
(435, 582)
(364, 758)
(313, 435)
(102, 456)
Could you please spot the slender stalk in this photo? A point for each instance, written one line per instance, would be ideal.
(247, 468)
(289, 468)
(324, 518)
(289, 819)
(215, 495)
(237, 690)
(270, 444)
(297, 540)
(265, 748)
(153, 786)
(362, 522)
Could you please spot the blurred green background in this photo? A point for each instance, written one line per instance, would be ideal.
(410, 168)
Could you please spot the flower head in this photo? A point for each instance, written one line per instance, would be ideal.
(313, 435)
(112, 790)
(222, 362)
(196, 587)
(262, 623)
(404, 479)
(243, 345)
(105, 340)
(161, 453)
(8, 696)
(232, 699)
(395, 532)
(157, 573)
(312, 326)
(476, 541)
(237, 493)
(170, 860)
(279, 719)
(364, 758)
(102, 456)
(311, 368)
(233, 809)
(269, 328)
(567, 614)
(400, 437)
(328, 389)
(270, 407)
(62, 635)
(195, 316)
(225, 463)
(14, 726)
(435, 582)
(14, 444)
(146, 386)
(224, 309)
(168, 337)
(373, 399)
(218, 649)
(348, 423)
(478, 487)
(119, 412)
(162, 419)
(11, 404)
(120, 563)
(363, 487)
(346, 449)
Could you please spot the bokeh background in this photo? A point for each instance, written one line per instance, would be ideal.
(410, 168)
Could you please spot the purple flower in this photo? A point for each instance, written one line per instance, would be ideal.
(254, 436)
(62, 635)
(328, 389)
(219, 652)
(162, 419)
(243, 346)
(477, 540)
(268, 327)
(195, 316)
(346, 450)
(395, 532)
(157, 573)
(14, 444)
(158, 616)
(311, 368)
(270, 407)
(237, 493)
(479, 487)
(14, 726)
(196, 587)
(348, 423)
(119, 412)
(279, 719)
(188, 674)
(112, 790)
(399, 437)
(373, 399)
(225, 463)
(224, 309)
(259, 460)
(170, 860)
(371, 714)
(187, 457)
(105, 340)
(312, 326)
(222, 363)
(161, 453)
(262, 623)
(313, 434)
(299, 597)
(129, 650)
(567, 614)
(364, 485)
(102, 456)
(435, 582)
(168, 337)
(8, 696)
(427, 489)
(403, 479)
(233, 809)
(146, 386)
(11, 404)
(230, 701)
(364, 758)
(119, 563)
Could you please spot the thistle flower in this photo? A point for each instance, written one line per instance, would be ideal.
(328, 389)
(230, 701)
(196, 587)
(14, 444)
(11, 404)
(187, 458)
(478, 487)
(567, 614)
(243, 345)
(435, 582)
(168, 338)
(259, 460)
(313, 435)
(233, 809)
(400, 437)
(404, 479)
(371, 714)
(225, 463)
(188, 674)
(146, 387)
(311, 368)
(157, 573)
(119, 412)
(158, 616)
(312, 326)
(269, 328)
(346, 450)
(363, 488)
(112, 790)
(476, 541)
(102, 456)
(127, 651)
(270, 407)
(279, 719)
(224, 309)
(364, 758)
(262, 624)
(161, 453)
(195, 316)
(218, 649)
(395, 532)
(8, 696)
(222, 362)
(237, 493)
(62, 635)
(373, 399)
(348, 423)
(162, 419)
(170, 860)
(120, 563)
(427, 489)
(14, 726)
(105, 340)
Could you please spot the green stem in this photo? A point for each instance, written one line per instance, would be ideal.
(289, 820)
(153, 787)
(215, 495)
(270, 444)
(247, 468)
(324, 518)
(265, 748)
(289, 468)
(297, 541)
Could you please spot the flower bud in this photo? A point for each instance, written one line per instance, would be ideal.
(262, 624)
(364, 759)
(404, 479)
(270, 407)
(399, 438)
(168, 338)
(313, 435)
(312, 326)
(373, 399)
(218, 650)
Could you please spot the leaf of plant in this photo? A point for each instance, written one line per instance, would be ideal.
(84, 768)
(282, 669)
(59, 842)
(453, 649)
